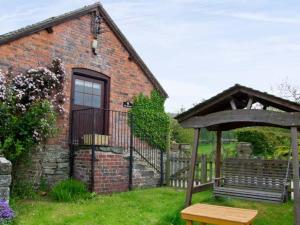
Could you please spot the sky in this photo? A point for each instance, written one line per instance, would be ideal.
(195, 48)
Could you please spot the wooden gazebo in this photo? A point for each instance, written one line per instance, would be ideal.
(233, 108)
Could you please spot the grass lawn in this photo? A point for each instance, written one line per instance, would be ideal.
(160, 206)
(208, 148)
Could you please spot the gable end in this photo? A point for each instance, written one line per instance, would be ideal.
(53, 21)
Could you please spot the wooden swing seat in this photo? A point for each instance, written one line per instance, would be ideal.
(255, 179)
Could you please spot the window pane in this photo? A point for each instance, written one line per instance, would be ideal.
(96, 89)
(88, 87)
(96, 101)
(88, 100)
(79, 85)
(78, 98)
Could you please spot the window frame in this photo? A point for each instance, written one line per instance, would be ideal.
(95, 77)
(84, 93)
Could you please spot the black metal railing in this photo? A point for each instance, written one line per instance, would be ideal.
(108, 128)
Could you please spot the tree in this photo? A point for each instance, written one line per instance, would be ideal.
(289, 91)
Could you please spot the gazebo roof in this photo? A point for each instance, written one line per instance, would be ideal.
(241, 95)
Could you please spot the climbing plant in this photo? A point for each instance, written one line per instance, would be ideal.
(149, 120)
(29, 104)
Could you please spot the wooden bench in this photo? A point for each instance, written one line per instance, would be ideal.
(218, 215)
(262, 180)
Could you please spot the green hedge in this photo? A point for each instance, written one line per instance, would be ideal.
(265, 141)
(149, 119)
(180, 134)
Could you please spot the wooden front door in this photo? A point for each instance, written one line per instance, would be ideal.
(89, 106)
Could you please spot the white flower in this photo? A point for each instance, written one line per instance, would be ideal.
(38, 84)
(2, 86)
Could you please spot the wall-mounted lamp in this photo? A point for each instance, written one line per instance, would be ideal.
(94, 46)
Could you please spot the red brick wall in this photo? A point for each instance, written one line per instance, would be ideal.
(71, 41)
(111, 171)
(82, 166)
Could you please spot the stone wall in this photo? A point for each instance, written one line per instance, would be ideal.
(244, 150)
(5, 178)
(50, 162)
(112, 171)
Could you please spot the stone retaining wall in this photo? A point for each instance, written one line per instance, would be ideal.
(50, 163)
(5, 178)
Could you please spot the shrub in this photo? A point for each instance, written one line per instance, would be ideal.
(282, 152)
(150, 121)
(69, 190)
(44, 187)
(28, 105)
(23, 190)
(6, 213)
(21, 132)
(265, 140)
(258, 139)
(180, 134)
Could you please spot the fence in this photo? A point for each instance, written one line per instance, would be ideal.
(179, 165)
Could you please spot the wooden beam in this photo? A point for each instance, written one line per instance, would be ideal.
(273, 100)
(239, 116)
(218, 154)
(294, 136)
(189, 191)
(233, 105)
(250, 102)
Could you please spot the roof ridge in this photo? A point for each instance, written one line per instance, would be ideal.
(4, 38)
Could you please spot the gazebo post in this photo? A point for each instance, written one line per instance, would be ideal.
(189, 191)
(218, 154)
(294, 136)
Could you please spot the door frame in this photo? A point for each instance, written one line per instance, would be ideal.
(91, 74)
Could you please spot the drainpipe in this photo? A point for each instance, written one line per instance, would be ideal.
(93, 155)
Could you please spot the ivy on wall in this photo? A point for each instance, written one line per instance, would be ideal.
(149, 120)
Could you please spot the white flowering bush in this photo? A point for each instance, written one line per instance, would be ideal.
(29, 104)
(2, 86)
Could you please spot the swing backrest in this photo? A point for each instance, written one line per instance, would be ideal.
(255, 174)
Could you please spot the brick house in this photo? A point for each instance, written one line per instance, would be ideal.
(104, 72)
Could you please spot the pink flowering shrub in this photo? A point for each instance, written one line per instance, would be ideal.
(40, 84)
(29, 103)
